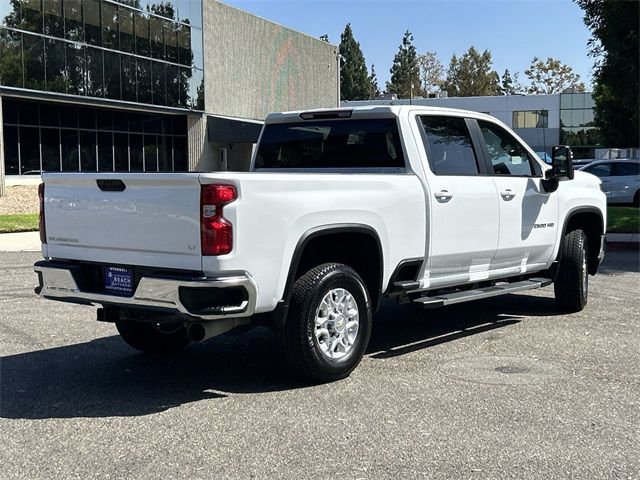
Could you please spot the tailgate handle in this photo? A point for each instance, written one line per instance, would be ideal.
(111, 185)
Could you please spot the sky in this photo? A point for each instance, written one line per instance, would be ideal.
(514, 31)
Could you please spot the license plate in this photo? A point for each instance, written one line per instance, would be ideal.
(118, 280)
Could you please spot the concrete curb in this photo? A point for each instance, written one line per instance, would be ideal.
(20, 242)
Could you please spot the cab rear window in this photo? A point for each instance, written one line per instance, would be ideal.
(331, 144)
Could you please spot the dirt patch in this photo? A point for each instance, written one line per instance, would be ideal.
(20, 199)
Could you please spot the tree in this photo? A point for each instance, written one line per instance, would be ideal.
(614, 45)
(354, 77)
(374, 90)
(510, 84)
(552, 76)
(431, 72)
(405, 72)
(472, 75)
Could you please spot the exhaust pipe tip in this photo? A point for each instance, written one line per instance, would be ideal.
(196, 332)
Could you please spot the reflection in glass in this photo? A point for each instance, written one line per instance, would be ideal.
(142, 34)
(143, 68)
(49, 115)
(112, 75)
(156, 38)
(28, 113)
(87, 118)
(73, 26)
(70, 158)
(68, 116)
(105, 152)
(577, 100)
(33, 62)
(150, 154)
(135, 152)
(159, 83)
(127, 37)
(95, 86)
(196, 45)
(164, 154)
(54, 66)
(128, 78)
(109, 25)
(88, 151)
(92, 32)
(31, 16)
(180, 163)
(53, 18)
(577, 118)
(11, 163)
(121, 152)
(10, 58)
(75, 69)
(196, 90)
(9, 111)
(185, 55)
(171, 41)
(29, 150)
(173, 86)
(50, 139)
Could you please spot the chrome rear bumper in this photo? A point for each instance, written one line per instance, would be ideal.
(58, 281)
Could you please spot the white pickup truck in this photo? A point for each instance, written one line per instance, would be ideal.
(341, 209)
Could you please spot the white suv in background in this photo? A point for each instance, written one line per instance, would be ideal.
(620, 179)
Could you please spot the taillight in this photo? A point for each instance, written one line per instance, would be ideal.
(216, 232)
(43, 232)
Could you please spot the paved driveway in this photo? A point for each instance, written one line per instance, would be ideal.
(501, 388)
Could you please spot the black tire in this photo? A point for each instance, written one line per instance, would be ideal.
(301, 348)
(149, 338)
(636, 199)
(572, 283)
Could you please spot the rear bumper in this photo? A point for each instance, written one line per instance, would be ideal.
(205, 298)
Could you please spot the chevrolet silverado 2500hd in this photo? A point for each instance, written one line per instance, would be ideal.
(341, 208)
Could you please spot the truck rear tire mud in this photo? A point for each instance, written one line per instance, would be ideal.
(572, 282)
(328, 325)
(150, 338)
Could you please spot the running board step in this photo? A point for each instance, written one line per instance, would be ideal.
(479, 293)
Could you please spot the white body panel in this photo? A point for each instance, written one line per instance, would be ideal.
(476, 235)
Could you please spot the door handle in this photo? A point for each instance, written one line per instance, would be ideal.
(508, 194)
(443, 195)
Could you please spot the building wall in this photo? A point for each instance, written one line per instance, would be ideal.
(500, 107)
(200, 154)
(254, 66)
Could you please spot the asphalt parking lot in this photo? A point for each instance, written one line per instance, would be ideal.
(501, 388)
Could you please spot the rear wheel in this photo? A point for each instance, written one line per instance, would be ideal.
(154, 338)
(329, 323)
(572, 283)
(636, 199)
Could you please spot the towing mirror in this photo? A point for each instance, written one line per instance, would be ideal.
(562, 162)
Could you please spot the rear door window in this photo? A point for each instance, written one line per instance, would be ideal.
(449, 146)
(331, 144)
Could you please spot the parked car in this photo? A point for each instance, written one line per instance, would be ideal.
(341, 209)
(620, 179)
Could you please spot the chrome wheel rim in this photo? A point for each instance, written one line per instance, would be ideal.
(337, 323)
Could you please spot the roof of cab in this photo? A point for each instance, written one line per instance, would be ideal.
(370, 111)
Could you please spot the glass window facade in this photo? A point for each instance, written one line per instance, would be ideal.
(51, 137)
(577, 127)
(133, 50)
(531, 119)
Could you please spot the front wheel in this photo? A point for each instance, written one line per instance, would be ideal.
(572, 282)
(154, 338)
(329, 323)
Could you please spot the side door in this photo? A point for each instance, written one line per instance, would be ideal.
(462, 204)
(625, 181)
(528, 214)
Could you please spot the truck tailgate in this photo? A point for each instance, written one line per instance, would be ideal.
(153, 221)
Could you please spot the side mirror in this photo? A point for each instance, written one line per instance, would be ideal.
(562, 162)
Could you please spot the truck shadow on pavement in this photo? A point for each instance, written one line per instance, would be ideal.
(105, 378)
